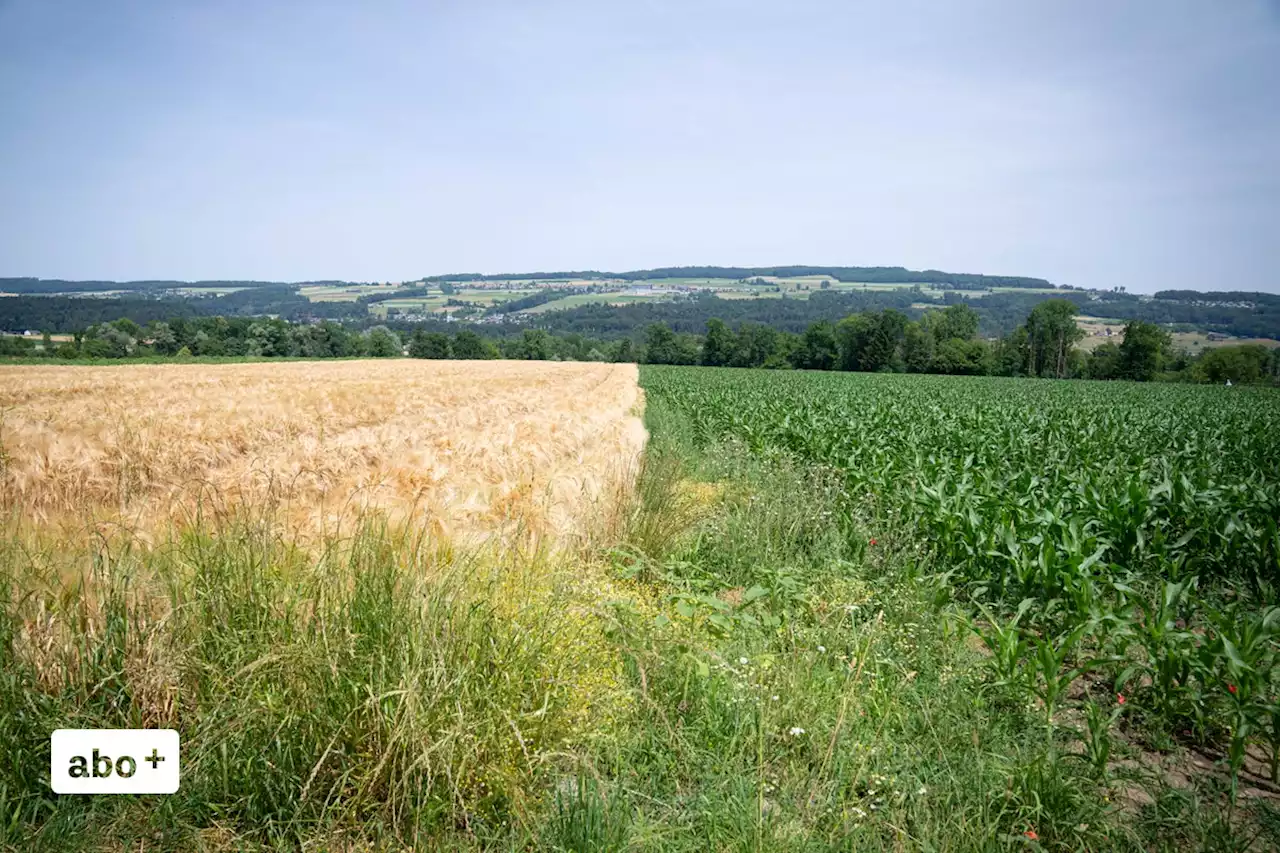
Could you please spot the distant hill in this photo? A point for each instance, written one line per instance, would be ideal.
(37, 286)
(65, 314)
(1001, 302)
(870, 275)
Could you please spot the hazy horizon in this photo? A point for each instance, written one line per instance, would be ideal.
(1095, 145)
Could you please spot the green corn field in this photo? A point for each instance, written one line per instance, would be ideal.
(1118, 533)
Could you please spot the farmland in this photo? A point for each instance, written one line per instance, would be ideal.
(609, 292)
(458, 447)
(344, 292)
(577, 299)
(439, 303)
(833, 611)
(1101, 330)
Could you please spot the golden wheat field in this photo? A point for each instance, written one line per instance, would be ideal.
(467, 448)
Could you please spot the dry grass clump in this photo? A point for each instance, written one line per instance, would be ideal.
(463, 448)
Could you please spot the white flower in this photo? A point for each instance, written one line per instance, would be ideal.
(775, 698)
(796, 731)
(921, 792)
(859, 812)
(743, 661)
(822, 649)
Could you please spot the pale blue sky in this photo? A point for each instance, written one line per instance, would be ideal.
(1092, 143)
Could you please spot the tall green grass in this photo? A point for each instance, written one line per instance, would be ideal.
(373, 689)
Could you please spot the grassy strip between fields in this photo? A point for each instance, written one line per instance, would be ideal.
(760, 663)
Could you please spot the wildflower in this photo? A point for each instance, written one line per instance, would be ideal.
(796, 731)
(1120, 698)
(859, 812)
(872, 542)
(1231, 688)
(1031, 833)
(775, 697)
(822, 649)
(921, 792)
(743, 661)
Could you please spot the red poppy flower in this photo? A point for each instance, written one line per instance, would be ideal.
(1120, 698)
(1231, 688)
(1031, 833)
(873, 541)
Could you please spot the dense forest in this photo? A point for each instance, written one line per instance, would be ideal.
(68, 314)
(1238, 297)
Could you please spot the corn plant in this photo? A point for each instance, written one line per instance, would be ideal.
(1007, 644)
(1170, 650)
(1245, 650)
(1052, 675)
(1097, 735)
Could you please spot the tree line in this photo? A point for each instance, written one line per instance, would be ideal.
(946, 341)
(265, 337)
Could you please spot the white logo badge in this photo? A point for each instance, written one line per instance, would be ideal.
(114, 761)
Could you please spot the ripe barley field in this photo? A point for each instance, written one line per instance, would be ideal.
(463, 449)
